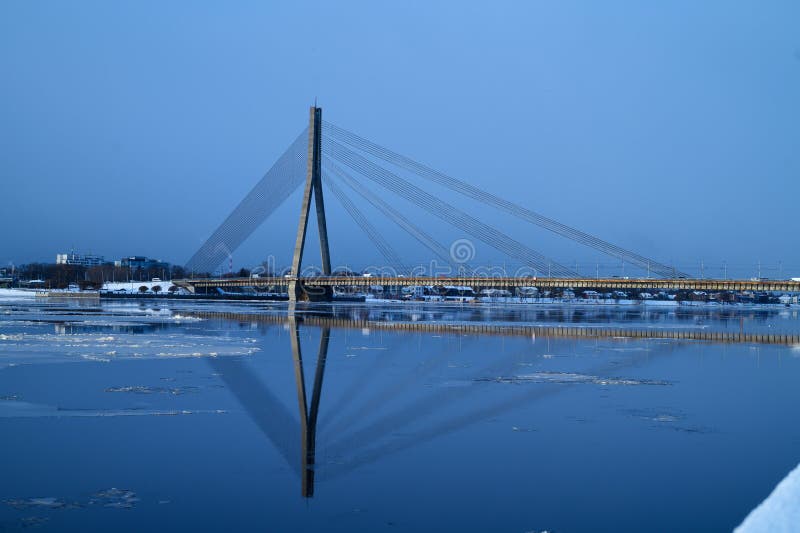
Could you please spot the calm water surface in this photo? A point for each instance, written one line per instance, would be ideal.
(134, 416)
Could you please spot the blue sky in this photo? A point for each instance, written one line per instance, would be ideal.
(670, 128)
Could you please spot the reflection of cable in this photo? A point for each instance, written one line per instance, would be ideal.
(269, 193)
(441, 209)
(390, 423)
(490, 199)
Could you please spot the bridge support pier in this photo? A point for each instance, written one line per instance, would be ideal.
(313, 188)
(299, 292)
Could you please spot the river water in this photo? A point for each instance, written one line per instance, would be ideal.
(187, 416)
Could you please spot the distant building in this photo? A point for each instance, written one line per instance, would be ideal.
(135, 262)
(6, 277)
(79, 259)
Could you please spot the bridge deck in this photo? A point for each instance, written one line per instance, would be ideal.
(505, 282)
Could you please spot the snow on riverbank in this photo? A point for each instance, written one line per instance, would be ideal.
(134, 287)
(16, 294)
(780, 512)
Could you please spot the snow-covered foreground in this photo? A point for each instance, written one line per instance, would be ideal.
(780, 512)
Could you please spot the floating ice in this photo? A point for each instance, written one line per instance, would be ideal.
(569, 378)
(17, 409)
(656, 415)
(48, 502)
(37, 347)
(673, 421)
(33, 521)
(141, 389)
(185, 318)
(367, 348)
(115, 498)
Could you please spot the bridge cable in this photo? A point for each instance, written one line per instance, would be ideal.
(395, 216)
(487, 198)
(273, 189)
(452, 215)
(383, 246)
(445, 211)
(280, 181)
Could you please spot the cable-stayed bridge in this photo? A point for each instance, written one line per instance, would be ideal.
(326, 156)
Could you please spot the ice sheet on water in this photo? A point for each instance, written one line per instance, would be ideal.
(48, 502)
(656, 415)
(18, 409)
(668, 419)
(142, 389)
(177, 317)
(17, 323)
(55, 347)
(367, 348)
(114, 498)
(569, 378)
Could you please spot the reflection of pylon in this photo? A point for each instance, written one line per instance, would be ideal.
(308, 416)
(230, 264)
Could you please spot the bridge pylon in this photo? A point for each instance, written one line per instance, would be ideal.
(313, 188)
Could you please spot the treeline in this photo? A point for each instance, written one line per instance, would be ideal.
(61, 276)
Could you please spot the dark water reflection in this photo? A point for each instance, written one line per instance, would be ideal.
(243, 417)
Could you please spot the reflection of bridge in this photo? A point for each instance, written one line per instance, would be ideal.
(348, 162)
(270, 415)
(525, 330)
(359, 432)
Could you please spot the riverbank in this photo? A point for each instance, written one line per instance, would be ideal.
(21, 294)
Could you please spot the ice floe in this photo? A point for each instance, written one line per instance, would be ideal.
(113, 498)
(18, 409)
(48, 502)
(570, 378)
(141, 389)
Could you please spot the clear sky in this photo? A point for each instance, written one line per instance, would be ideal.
(672, 128)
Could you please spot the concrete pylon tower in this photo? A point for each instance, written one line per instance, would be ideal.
(313, 188)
